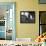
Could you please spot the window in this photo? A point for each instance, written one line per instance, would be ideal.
(7, 21)
(42, 22)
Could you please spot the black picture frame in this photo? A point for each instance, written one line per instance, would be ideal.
(27, 16)
(42, 1)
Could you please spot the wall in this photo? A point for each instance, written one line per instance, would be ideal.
(27, 30)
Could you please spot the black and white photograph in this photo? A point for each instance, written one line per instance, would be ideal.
(27, 17)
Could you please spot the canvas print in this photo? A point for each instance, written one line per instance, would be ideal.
(27, 17)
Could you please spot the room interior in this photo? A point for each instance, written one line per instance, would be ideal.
(26, 30)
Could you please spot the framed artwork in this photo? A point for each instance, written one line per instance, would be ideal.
(7, 21)
(27, 17)
(42, 1)
(42, 22)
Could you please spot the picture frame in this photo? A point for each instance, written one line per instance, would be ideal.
(27, 16)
